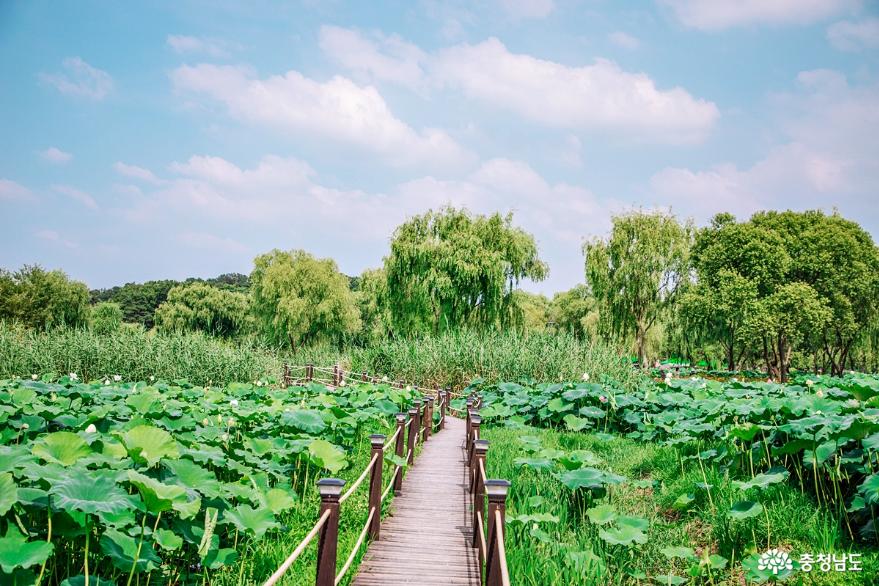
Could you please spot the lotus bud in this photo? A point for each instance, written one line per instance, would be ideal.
(231, 422)
(225, 437)
(603, 399)
(219, 418)
(205, 422)
(341, 383)
(91, 428)
(819, 393)
(25, 426)
(152, 378)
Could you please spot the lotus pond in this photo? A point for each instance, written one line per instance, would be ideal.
(131, 483)
(686, 481)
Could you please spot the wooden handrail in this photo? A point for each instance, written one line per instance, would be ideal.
(298, 551)
(359, 481)
(391, 441)
(502, 549)
(356, 547)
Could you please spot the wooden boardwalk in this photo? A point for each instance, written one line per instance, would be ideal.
(426, 538)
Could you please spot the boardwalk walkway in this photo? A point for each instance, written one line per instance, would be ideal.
(425, 540)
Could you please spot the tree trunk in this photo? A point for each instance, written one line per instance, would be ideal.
(640, 343)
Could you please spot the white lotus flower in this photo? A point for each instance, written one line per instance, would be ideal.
(408, 388)
(73, 376)
(34, 377)
(152, 378)
(205, 422)
(117, 377)
(341, 383)
(225, 437)
(819, 393)
(106, 381)
(809, 382)
(384, 379)
(91, 428)
(231, 422)
(259, 383)
(234, 402)
(585, 376)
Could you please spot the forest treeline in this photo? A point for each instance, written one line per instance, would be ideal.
(773, 292)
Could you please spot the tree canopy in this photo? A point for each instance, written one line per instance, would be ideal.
(41, 299)
(199, 306)
(636, 273)
(449, 269)
(298, 299)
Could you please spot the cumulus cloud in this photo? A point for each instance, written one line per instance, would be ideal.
(12, 191)
(527, 9)
(831, 130)
(601, 95)
(380, 57)
(859, 35)
(713, 15)
(624, 40)
(80, 79)
(76, 195)
(337, 109)
(135, 172)
(56, 155)
(202, 45)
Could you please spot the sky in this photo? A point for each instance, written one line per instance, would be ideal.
(175, 139)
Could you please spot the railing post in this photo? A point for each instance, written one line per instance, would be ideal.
(335, 375)
(377, 441)
(428, 416)
(417, 403)
(469, 407)
(398, 450)
(413, 430)
(444, 406)
(328, 540)
(496, 491)
(363, 377)
(286, 381)
(309, 372)
(475, 421)
(477, 489)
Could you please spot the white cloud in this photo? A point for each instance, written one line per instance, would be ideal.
(10, 191)
(204, 45)
(135, 172)
(712, 15)
(56, 155)
(831, 131)
(854, 35)
(600, 95)
(381, 57)
(527, 9)
(337, 109)
(76, 195)
(53, 236)
(624, 40)
(80, 79)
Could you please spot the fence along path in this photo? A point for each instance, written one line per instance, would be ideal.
(439, 531)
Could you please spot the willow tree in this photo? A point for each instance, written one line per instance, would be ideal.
(448, 269)
(636, 273)
(298, 299)
(202, 307)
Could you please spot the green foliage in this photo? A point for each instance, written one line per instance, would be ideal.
(298, 299)
(372, 300)
(106, 317)
(637, 273)
(575, 311)
(200, 307)
(530, 311)
(42, 299)
(449, 269)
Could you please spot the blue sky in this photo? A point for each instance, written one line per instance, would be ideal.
(175, 139)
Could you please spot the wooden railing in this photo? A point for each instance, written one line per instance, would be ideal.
(326, 529)
(488, 527)
(331, 376)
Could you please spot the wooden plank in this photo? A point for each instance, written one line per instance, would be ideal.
(425, 539)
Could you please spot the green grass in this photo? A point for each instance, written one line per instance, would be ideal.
(795, 523)
(448, 359)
